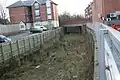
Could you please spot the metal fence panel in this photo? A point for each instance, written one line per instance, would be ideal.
(109, 51)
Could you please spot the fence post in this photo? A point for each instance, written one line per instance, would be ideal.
(2, 55)
(30, 51)
(37, 41)
(47, 36)
(11, 55)
(33, 41)
(25, 46)
(102, 66)
(18, 52)
(41, 38)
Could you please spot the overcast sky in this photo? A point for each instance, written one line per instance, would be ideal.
(71, 6)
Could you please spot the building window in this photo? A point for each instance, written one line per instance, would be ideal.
(37, 18)
(28, 19)
(37, 12)
(22, 26)
(48, 4)
(36, 5)
(49, 17)
(48, 10)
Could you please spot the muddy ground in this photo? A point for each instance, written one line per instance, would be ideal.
(69, 59)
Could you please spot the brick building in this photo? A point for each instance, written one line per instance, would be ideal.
(101, 8)
(88, 11)
(42, 12)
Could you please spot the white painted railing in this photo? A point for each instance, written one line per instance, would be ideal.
(108, 43)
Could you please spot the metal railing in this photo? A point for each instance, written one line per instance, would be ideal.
(108, 44)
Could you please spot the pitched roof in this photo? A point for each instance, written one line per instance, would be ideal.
(25, 3)
(42, 1)
(28, 3)
(17, 4)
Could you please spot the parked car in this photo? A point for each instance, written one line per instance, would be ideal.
(4, 39)
(44, 28)
(36, 28)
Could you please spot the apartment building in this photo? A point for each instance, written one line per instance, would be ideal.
(88, 11)
(101, 8)
(42, 12)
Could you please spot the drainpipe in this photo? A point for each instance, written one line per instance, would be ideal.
(25, 16)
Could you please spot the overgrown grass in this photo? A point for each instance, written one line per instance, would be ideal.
(73, 37)
(67, 59)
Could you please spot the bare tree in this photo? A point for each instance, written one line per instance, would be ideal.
(67, 17)
(3, 11)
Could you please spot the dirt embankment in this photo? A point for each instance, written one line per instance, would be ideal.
(69, 59)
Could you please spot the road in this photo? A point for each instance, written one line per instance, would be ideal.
(19, 35)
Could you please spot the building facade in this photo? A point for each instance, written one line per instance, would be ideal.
(88, 11)
(42, 12)
(101, 8)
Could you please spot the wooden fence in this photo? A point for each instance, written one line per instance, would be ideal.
(26, 45)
